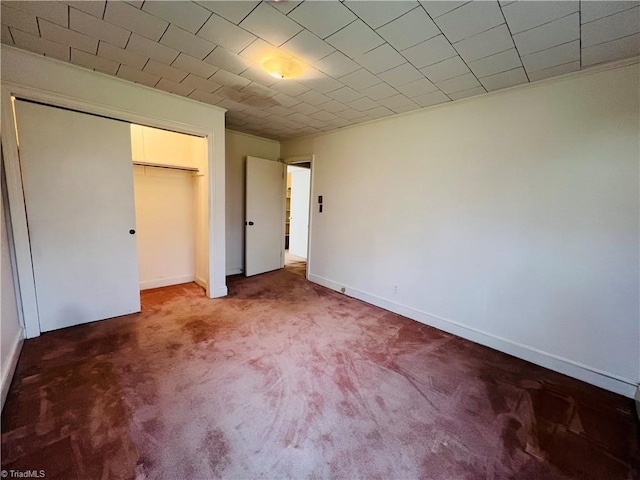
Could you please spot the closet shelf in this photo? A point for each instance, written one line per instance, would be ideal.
(171, 167)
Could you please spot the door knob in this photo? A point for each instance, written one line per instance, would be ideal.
(250, 223)
(132, 231)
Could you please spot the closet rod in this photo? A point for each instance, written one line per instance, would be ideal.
(171, 167)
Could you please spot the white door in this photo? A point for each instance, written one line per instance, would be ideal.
(78, 184)
(264, 220)
(299, 219)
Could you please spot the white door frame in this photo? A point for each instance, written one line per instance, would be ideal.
(306, 158)
(14, 181)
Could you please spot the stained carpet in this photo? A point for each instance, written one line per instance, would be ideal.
(286, 379)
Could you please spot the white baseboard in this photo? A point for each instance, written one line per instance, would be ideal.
(165, 282)
(608, 381)
(9, 367)
(234, 271)
(220, 292)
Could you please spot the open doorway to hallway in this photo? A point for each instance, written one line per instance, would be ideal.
(297, 217)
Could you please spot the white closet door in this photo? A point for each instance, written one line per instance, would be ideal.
(264, 226)
(78, 184)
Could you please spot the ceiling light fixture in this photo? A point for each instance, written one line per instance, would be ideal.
(282, 68)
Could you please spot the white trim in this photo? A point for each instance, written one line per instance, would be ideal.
(292, 160)
(90, 103)
(165, 282)
(234, 271)
(594, 376)
(560, 78)
(220, 292)
(9, 367)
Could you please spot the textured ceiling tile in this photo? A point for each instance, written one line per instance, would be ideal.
(187, 42)
(6, 36)
(470, 19)
(305, 108)
(557, 32)
(345, 94)
(271, 25)
(322, 18)
(234, 11)
(377, 13)
(173, 87)
(438, 8)
(336, 64)
(380, 91)
(504, 79)
(355, 39)
(494, 40)
(223, 58)
(381, 59)
(257, 74)
(500, 62)
(285, 100)
(322, 83)
(202, 84)
(334, 106)
(379, 112)
(363, 104)
(313, 98)
(19, 19)
(614, 50)
(401, 75)
(93, 62)
(291, 88)
(64, 36)
(457, 84)
(432, 51)
(395, 102)
(554, 71)
(593, 10)
(360, 79)
(193, 65)
(452, 67)
(92, 26)
(40, 45)
(187, 15)
(567, 53)
(611, 28)
(352, 114)
(160, 69)
(284, 7)
(307, 47)
(55, 12)
(433, 98)
(230, 79)
(259, 90)
(147, 48)
(417, 88)
(92, 7)
(522, 16)
(472, 92)
(409, 30)
(119, 55)
(130, 18)
(224, 33)
(133, 75)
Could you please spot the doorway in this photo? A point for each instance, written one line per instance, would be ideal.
(298, 196)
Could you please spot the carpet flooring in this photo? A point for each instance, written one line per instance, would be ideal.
(286, 379)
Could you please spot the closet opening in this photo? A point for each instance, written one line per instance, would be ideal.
(170, 206)
(297, 217)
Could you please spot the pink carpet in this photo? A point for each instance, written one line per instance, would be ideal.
(286, 379)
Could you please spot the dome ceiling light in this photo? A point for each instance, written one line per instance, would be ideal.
(282, 68)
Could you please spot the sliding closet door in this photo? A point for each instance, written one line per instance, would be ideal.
(78, 185)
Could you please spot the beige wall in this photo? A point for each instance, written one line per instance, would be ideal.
(238, 147)
(511, 219)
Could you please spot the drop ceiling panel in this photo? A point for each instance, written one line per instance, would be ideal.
(377, 13)
(322, 18)
(525, 15)
(233, 11)
(270, 24)
(408, 30)
(362, 60)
